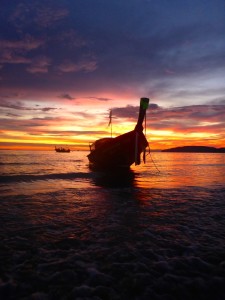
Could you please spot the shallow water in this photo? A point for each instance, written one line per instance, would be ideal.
(155, 232)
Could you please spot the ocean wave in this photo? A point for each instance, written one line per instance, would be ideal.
(19, 163)
(54, 176)
(24, 163)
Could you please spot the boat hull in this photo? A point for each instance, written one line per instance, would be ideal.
(62, 150)
(121, 151)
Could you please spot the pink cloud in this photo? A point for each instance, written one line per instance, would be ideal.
(86, 66)
(43, 14)
(8, 56)
(28, 43)
(39, 65)
(15, 51)
(46, 16)
(71, 38)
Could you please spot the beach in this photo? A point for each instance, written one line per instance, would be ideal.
(154, 232)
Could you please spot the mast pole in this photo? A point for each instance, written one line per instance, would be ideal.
(110, 121)
(111, 124)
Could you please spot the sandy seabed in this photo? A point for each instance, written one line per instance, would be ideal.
(113, 244)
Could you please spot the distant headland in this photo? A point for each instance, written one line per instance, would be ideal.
(196, 149)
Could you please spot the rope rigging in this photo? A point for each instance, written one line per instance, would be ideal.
(149, 150)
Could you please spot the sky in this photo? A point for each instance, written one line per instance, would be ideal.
(65, 64)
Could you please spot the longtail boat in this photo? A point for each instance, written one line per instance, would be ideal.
(62, 150)
(123, 150)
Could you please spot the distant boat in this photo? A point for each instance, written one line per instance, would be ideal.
(61, 149)
(123, 150)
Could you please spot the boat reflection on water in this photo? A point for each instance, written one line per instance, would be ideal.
(119, 185)
(125, 177)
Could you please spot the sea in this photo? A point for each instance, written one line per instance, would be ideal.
(154, 232)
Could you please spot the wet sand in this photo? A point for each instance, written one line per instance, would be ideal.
(113, 243)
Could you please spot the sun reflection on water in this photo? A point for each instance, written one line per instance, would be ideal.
(175, 170)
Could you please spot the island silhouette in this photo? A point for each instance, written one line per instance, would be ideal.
(196, 149)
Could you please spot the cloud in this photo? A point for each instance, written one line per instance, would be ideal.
(48, 16)
(12, 115)
(10, 104)
(116, 48)
(217, 101)
(7, 57)
(131, 112)
(76, 132)
(16, 51)
(27, 43)
(81, 66)
(48, 109)
(183, 120)
(66, 96)
(189, 118)
(99, 98)
(43, 14)
(39, 65)
(70, 39)
(18, 105)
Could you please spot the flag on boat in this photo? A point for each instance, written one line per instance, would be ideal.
(110, 117)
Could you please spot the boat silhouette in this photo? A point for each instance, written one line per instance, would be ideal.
(123, 150)
(62, 149)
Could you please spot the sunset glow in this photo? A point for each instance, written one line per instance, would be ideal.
(60, 75)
